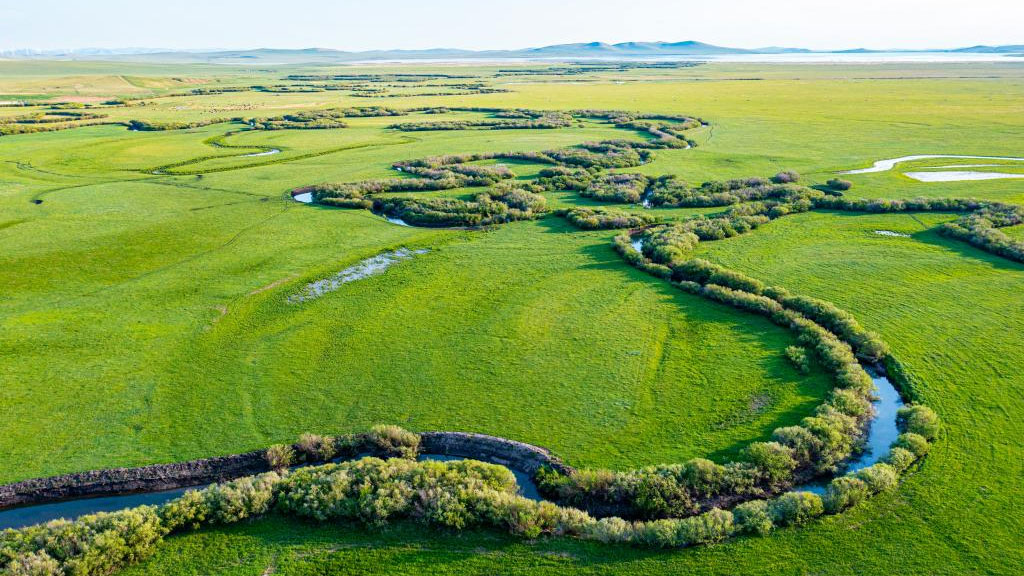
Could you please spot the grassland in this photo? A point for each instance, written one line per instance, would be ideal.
(145, 314)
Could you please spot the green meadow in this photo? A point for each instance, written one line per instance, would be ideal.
(145, 276)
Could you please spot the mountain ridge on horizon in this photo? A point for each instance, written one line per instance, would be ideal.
(595, 50)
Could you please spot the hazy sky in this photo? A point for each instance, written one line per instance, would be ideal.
(478, 24)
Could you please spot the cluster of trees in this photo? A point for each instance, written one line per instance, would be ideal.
(602, 155)
(454, 495)
(671, 191)
(48, 121)
(319, 119)
(818, 445)
(454, 91)
(549, 120)
(150, 126)
(666, 131)
(624, 188)
(980, 230)
(376, 77)
(496, 205)
(605, 219)
(51, 117)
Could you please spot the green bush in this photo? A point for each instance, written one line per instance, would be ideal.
(316, 448)
(844, 492)
(795, 508)
(786, 177)
(914, 443)
(880, 477)
(601, 219)
(753, 517)
(661, 496)
(918, 419)
(394, 441)
(712, 526)
(839, 184)
(704, 477)
(900, 459)
(280, 456)
(797, 355)
(774, 461)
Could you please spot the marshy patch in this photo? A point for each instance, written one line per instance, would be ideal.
(959, 176)
(363, 269)
(891, 234)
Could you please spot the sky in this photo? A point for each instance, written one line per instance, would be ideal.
(478, 24)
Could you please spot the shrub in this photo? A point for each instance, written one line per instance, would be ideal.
(316, 448)
(660, 496)
(395, 441)
(795, 508)
(844, 492)
(774, 461)
(712, 526)
(34, 564)
(918, 419)
(239, 499)
(797, 355)
(900, 458)
(93, 545)
(879, 477)
(804, 444)
(626, 188)
(786, 177)
(839, 184)
(600, 219)
(914, 443)
(658, 533)
(669, 245)
(704, 477)
(611, 530)
(280, 456)
(753, 517)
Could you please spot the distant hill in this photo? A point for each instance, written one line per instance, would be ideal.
(589, 50)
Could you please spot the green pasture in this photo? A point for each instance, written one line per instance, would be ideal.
(144, 317)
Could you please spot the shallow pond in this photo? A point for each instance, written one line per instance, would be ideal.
(363, 269)
(397, 221)
(959, 176)
(266, 153)
(890, 163)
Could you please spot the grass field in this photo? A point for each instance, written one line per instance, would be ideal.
(144, 316)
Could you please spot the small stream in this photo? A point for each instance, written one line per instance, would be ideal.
(72, 509)
(15, 518)
(881, 434)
